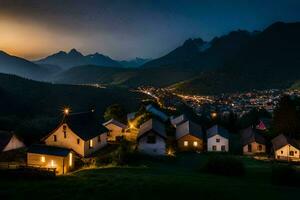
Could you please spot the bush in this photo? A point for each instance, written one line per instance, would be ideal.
(224, 165)
(104, 160)
(285, 175)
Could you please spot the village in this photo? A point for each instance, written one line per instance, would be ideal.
(150, 131)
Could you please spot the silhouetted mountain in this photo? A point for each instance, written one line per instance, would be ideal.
(137, 62)
(21, 67)
(270, 60)
(75, 58)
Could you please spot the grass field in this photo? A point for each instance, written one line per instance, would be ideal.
(177, 178)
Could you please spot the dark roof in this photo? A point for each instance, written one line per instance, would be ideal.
(115, 122)
(189, 127)
(48, 150)
(282, 140)
(217, 130)
(5, 137)
(153, 125)
(85, 125)
(250, 135)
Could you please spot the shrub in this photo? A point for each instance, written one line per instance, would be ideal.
(224, 165)
(285, 175)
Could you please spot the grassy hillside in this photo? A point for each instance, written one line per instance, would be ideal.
(32, 108)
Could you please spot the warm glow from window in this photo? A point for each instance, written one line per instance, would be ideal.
(186, 143)
(91, 143)
(43, 159)
(195, 143)
(70, 159)
(52, 163)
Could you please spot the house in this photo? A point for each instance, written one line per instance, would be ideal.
(252, 142)
(177, 120)
(158, 113)
(286, 148)
(9, 141)
(152, 138)
(264, 124)
(189, 137)
(217, 139)
(42, 156)
(80, 132)
(116, 130)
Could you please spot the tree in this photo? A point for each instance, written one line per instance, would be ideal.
(286, 118)
(116, 112)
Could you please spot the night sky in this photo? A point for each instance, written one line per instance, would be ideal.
(126, 29)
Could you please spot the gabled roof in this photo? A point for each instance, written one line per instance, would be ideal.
(84, 125)
(189, 127)
(249, 135)
(282, 140)
(158, 113)
(217, 130)
(48, 150)
(115, 122)
(5, 137)
(153, 125)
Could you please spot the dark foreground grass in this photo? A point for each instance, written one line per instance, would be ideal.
(178, 179)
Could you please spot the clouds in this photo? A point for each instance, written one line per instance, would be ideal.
(128, 28)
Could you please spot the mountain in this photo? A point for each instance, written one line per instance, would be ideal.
(202, 55)
(270, 60)
(137, 62)
(14, 65)
(75, 58)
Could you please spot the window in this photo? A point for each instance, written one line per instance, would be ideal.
(195, 143)
(99, 139)
(218, 140)
(281, 152)
(151, 139)
(70, 159)
(249, 148)
(259, 148)
(65, 131)
(185, 143)
(291, 153)
(54, 138)
(223, 148)
(295, 152)
(43, 159)
(214, 148)
(91, 144)
(78, 141)
(52, 163)
(65, 134)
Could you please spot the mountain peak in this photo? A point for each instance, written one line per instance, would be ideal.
(74, 52)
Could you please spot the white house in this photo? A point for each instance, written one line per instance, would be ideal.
(217, 139)
(152, 138)
(80, 132)
(116, 130)
(9, 141)
(252, 142)
(286, 148)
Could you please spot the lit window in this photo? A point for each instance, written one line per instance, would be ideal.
(195, 143)
(91, 144)
(78, 141)
(185, 143)
(70, 159)
(52, 163)
(43, 159)
(218, 140)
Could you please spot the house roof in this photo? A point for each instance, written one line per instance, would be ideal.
(153, 125)
(189, 127)
(161, 115)
(217, 130)
(282, 140)
(177, 120)
(85, 125)
(48, 150)
(249, 135)
(115, 122)
(5, 137)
